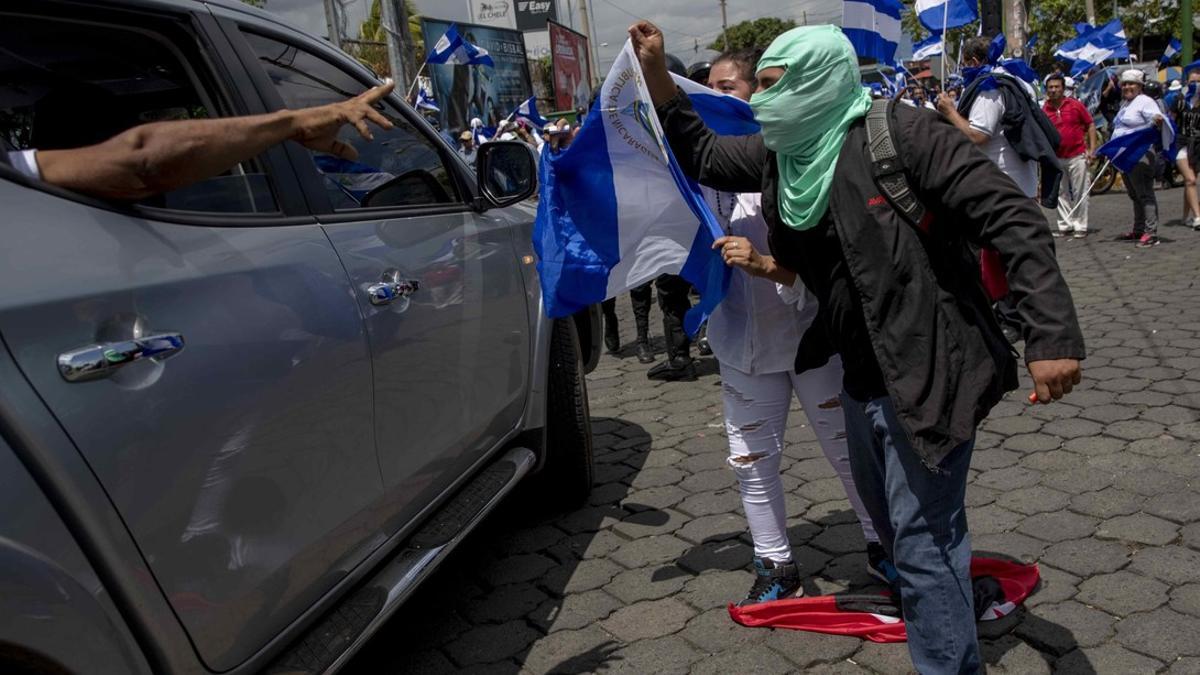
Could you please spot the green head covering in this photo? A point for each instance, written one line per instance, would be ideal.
(805, 115)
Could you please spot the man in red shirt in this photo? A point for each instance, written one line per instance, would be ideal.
(1072, 120)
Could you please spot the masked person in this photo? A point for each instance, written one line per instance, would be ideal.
(924, 360)
(1137, 112)
(753, 333)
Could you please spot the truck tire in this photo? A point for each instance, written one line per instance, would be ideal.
(565, 480)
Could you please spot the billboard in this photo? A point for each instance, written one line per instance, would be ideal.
(533, 14)
(465, 92)
(497, 13)
(572, 74)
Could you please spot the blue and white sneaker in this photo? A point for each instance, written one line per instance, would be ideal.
(773, 581)
(880, 566)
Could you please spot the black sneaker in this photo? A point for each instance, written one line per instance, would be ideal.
(773, 581)
(702, 347)
(644, 353)
(880, 566)
(1011, 334)
(674, 369)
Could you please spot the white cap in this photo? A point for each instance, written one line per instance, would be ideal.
(476, 122)
(1132, 75)
(507, 136)
(1069, 82)
(1175, 86)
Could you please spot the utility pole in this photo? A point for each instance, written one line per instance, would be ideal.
(804, 17)
(724, 29)
(395, 28)
(1186, 26)
(1016, 26)
(332, 24)
(1090, 10)
(586, 24)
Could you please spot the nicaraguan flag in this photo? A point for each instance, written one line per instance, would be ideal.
(1020, 68)
(1094, 47)
(1127, 149)
(528, 111)
(615, 209)
(1031, 42)
(354, 179)
(930, 46)
(873, 27)
(1173, 48)
(426, 102)
(1083, 27)
(453, 49)
(938, 15)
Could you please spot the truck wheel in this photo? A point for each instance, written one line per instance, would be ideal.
(566, 478)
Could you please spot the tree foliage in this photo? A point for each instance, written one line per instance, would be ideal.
(754, 34)
(371, 45)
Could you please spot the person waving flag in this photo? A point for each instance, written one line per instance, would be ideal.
(452, 48)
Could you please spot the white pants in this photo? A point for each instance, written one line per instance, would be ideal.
(1071, 191)
(756, 413)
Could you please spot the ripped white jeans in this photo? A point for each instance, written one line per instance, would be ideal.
(756, 414)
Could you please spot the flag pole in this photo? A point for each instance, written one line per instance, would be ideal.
(1088, 191)
(416, 79)
(945, 20)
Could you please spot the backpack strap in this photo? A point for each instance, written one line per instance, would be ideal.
(887, 166)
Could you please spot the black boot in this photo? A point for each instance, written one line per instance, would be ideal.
(612, 339)
(644, 353)
(674, 369)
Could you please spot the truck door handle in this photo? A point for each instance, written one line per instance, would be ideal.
(391, 288)
(98, 361)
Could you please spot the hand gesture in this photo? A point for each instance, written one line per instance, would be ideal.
(648, 46)
(946, 104)
(739, 252)
(1053, 379)
(317, 128)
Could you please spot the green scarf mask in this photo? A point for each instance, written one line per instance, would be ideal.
(806, 114)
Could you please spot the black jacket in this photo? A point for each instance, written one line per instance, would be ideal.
(1027, 129)
(944, 360)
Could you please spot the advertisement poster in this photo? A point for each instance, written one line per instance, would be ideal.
(467, 92)
(533, 14)
(497, 13)
(572, 75)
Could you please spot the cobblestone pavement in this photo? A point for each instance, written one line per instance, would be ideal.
(1103, 491)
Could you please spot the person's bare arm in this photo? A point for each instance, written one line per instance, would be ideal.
(1093, 141)
(948, 107)
(740, 253)
(164, 156)
(648, 46)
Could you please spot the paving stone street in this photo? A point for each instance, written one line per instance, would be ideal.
(1102, 491)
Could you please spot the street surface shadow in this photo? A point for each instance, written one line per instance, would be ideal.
(508, 582)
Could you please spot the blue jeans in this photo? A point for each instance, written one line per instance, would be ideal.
(920, 515)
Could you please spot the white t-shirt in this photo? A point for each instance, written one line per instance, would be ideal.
(25, 162)
(985, 115)
(1135, 115)
(754, 330)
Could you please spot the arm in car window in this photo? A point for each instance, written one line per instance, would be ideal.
(154, 158)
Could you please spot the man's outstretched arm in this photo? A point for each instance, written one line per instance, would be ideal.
(162, 156)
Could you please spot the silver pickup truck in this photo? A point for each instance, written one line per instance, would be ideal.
(239, 422)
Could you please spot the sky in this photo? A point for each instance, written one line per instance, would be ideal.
(684, 22)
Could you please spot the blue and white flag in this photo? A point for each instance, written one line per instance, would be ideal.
(615, 209)
(938, 15)
(873, 27)
(933, 45)
(528, 111)
(1127, 149)
(354, 179)
(1173, 48)
(425, 101)
(1094, 47)
(1029, 44)
(453, 49)
(1083, 27)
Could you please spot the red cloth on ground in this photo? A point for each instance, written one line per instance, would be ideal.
(822, 614)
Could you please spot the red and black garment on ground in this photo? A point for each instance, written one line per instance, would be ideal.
(999, 586)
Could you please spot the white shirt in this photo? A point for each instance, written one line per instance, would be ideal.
(1135, 115)
(985, 115)
(753, 329)
(25, 162)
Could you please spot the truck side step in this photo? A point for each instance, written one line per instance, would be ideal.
(330, 643)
